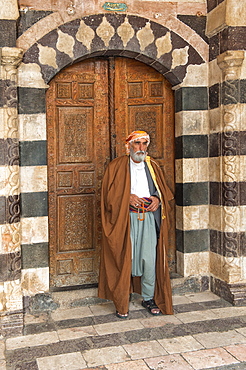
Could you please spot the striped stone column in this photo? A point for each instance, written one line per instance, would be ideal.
(228, 264)
(10, 253)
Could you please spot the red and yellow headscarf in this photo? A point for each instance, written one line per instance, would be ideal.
(134, 136)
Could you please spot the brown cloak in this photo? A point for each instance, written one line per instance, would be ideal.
(115, 281)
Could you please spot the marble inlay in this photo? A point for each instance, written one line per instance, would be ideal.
(180, 57)
(164, 45)
(85, 34)
(105, 31)
(125, 31)
(47, 55)
(145, 36)
(65, 43)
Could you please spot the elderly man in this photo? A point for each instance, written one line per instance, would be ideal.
(134, 208)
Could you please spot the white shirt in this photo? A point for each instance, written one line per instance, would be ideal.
(139, 181)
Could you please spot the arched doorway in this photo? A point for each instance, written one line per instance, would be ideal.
(91, 108)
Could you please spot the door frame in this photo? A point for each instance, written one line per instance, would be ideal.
(112, 128)
(195, 56)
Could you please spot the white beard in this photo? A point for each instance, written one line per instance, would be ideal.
(138, 156)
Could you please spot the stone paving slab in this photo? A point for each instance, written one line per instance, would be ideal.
(181, 308)
(156, 321)
(72, 313)
(39, 328)
(203, 325)
(144, 349)
(242, 331)
(215, 339)
(77, 332)
(199, 306)
(124, 325)
(180, 300)
(202, 297)
(241, 366)
(31, 319)
(103, 309)
(229, 312)
(85, 321)
(134, 365)
(31, 340)
(67, 361)
(238, 351)
(188, 317)
(180, 344)
(102, 356)
(208, 358)
(169, 362)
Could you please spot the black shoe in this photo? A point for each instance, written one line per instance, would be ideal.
(151, 307)
(122, 316)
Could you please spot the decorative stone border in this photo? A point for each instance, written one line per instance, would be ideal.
(114, 34)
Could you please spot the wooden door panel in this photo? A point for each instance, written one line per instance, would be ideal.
(76, 223)
(148, 118)
(75, 134)
(77, 151)
(144, 101)
(79, 146)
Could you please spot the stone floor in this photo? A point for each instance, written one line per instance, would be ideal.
(205, 332)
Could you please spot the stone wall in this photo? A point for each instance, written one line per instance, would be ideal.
(10, 242)
(227, 86)
(203, 60)
(183, 63)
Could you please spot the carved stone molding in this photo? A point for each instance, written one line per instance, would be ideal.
(11, 299)
(10, 60)
(230, 63)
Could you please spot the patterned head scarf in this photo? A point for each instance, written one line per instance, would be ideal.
(135, 135)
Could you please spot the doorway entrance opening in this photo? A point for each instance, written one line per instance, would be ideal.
(92, 106)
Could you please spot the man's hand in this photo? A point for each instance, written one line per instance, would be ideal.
(154, 204)
(135, 201)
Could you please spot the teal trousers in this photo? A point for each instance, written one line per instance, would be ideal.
(144, 241)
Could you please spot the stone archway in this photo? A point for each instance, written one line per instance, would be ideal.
(114, 34)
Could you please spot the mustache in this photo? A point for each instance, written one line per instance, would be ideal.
(140, 152)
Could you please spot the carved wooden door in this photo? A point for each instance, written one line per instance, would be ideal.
(144, 100)
(78, 147)
(91, 108)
